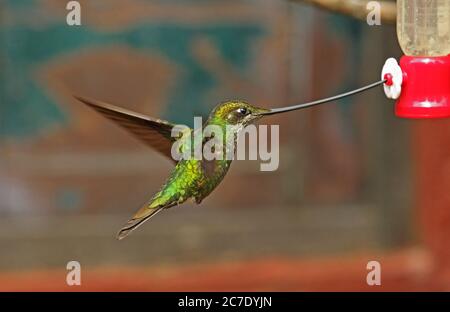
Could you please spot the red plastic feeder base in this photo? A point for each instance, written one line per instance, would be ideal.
(425, 88)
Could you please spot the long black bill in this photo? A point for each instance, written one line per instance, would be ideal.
(329, 99)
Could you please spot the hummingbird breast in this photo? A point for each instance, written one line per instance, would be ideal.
(193, 179)
(213, 172)
(197, 178)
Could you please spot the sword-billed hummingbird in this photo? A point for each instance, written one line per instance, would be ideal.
(191, 178)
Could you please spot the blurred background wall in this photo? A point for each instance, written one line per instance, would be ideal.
(69, 178)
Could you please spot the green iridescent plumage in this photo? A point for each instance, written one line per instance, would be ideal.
(191, 178)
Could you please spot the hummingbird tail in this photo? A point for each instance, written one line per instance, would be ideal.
(149, 210)
(137, 220)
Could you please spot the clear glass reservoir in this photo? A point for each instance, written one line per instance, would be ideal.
(423, 27)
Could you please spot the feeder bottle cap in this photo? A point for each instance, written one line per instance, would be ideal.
(393, 75)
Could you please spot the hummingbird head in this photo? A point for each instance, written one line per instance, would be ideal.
(236, 113)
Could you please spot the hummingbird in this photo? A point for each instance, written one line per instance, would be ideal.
(191, 178)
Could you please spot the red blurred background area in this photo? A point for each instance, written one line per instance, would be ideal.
(354, 185)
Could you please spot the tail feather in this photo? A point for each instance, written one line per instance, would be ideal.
(145, 213)
(136, 221)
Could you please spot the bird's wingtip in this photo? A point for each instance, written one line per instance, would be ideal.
(82, 99)
(100, 104)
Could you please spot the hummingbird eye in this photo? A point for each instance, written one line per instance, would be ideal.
(243, 111)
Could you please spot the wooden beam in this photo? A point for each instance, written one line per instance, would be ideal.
(355, 8)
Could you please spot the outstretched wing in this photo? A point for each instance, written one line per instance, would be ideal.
(155, 133)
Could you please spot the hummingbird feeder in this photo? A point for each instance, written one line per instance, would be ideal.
(421, 83)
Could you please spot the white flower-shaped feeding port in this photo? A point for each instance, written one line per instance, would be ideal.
(393, 75)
